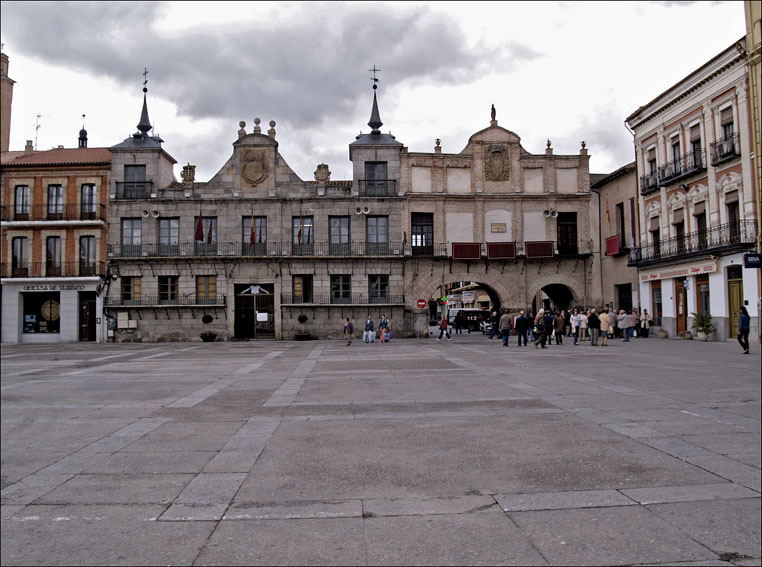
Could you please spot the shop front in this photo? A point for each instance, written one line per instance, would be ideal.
(52, 311)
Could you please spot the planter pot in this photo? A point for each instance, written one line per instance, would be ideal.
(662, 334)
(702, 336)
(687, 335)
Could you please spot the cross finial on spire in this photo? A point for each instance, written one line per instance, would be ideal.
(374, 79)
(145, 79)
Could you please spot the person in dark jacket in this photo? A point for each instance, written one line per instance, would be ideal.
(522, 326)
(539, 329)
(549, 319)
(594, 324)
(559, 323)
(744, 324)
(495, 324)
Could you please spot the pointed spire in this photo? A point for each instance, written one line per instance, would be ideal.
(375, 118)
(145, 123)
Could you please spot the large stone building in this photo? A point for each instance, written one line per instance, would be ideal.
(255, 250)
(696, 206)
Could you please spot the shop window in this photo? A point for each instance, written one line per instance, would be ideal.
(42, 312)
(702, 293)
(656, 302)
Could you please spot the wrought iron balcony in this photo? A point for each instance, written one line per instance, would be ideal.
(262, 249)
(64, 212)
(725, 149)
(378, 187)
(51, 269)
(683, 166)
(649, 183)
(160, 301)
(726, 237)
(134, 190)
(353, 299)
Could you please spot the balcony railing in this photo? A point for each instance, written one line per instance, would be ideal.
(649, 183)
(378, 187)
(728, 236)
(65, 212)
(682, 167)
(52, 270)
(134, 189)
(725, 149)
(160, 301)
(264, 249)
(353, 299)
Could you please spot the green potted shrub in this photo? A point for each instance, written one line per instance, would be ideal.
(702, 324)
(208, 336)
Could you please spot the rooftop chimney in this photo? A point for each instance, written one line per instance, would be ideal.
(29, 148)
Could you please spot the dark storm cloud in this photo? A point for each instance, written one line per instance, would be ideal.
(306, 69)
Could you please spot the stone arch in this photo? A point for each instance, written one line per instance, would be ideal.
(428, 286)
(577, 293)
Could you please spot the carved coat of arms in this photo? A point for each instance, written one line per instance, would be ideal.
(497, 166)
(322, 173)
(254, 167)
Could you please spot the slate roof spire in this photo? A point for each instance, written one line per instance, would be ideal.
(375, 118)
(145, 123)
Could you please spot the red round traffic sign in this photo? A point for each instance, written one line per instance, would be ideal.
(421, 303)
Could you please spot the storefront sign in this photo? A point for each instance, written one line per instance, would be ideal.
(752, 261)
(680, 273)
(54, 287)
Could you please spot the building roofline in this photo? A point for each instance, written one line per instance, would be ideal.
(621, 172)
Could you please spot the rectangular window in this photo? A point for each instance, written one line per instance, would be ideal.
(377, 235)
(132, 237)
(87, 256)
(21, 204)
(135, 186)
(656, 299)
(726, 121)
(378, 288)
(620, 226)
(696, 153)
(132, 289)
(302, 288)
(422, 233)
(679, 228)
(53, 256)
(675, 144)
(702, 293)
(656, 242)
(699, 221)
(303, 242)
(254, 239)
(169, 237)
(338, 235)
(88, 201)
(652, 161)
(566, 226)
(41, 312)
(55, 201)
(168, 289)
(208, 246)
(734, 223)
(20, 260)
(206, 290)
(341, 288)
(376, 179)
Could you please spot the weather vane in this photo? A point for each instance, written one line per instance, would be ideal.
(374, 79)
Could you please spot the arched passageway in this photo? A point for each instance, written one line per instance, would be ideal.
(554, 297)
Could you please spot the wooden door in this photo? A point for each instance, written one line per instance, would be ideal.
(87, 316)
(735, 298)
(681, 307)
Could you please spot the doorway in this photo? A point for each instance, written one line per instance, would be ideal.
(735, 297)
(254, 311)
(86, 315)
(681, 307)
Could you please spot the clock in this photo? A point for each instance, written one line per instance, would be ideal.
(49, 310)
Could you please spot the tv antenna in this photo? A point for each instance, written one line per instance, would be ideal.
(36, 128)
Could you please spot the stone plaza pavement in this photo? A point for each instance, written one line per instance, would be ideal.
(415, 452)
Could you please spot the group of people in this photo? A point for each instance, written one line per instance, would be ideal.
(369, 334)
(546, 326)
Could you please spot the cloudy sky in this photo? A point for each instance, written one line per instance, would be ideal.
(564, 71)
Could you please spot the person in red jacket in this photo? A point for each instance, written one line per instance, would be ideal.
(443, 329)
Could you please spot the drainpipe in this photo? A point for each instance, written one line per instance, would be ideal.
(637, 209)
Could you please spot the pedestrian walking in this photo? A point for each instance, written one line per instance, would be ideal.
(522, 326)
(539, 329)
(559, 323)
(567, 323)
(582, 326)
(369, 335)
(645, 324)
(349, 331)
(575, 325)
(634, 322)
(612, 321)
(549, 326)
(383, 328)
(623, 322)
(743, 329)
(594, 323)
(458, 323)
(443, 329)
(494, 324)
(506, 324)
(605, 324)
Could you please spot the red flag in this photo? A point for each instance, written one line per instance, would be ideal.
(199, 229)
(299, 234)
(252, 233)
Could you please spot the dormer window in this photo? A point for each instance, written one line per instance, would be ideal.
(377, 183)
